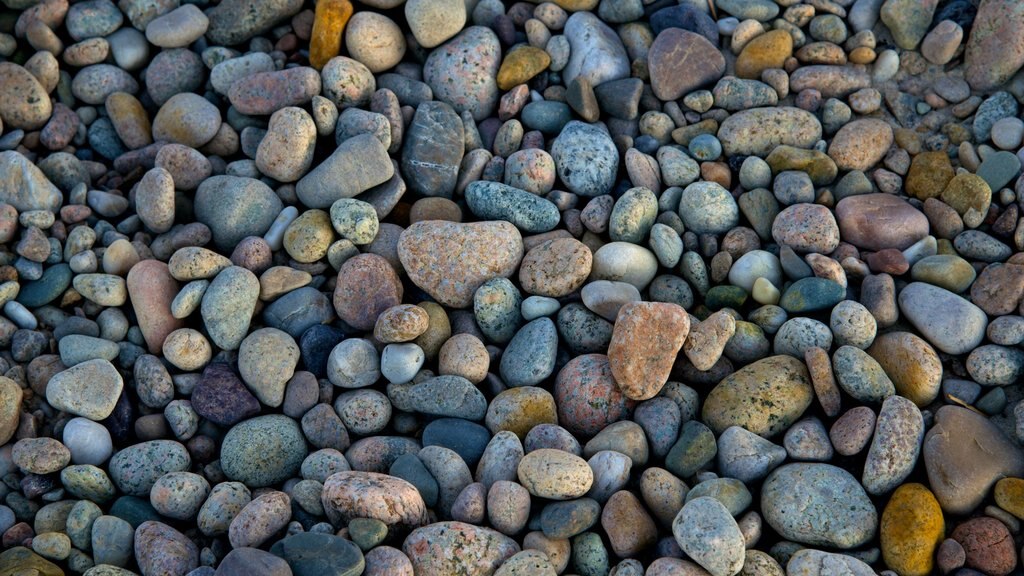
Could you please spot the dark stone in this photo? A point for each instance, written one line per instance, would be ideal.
(620, 98)
(410, 468)
(313, 554)
(316, 345)
(119, 423)
(960, 11)
(687, 18)
(49, 287)
(298, 310)
(222, 398)
(567, 519)
(252, 562)
(467, 439)
(134, 510)
(432, 150)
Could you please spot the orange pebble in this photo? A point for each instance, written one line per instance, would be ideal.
(328, 25)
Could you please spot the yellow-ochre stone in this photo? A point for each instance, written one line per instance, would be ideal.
(912, 528)
(769, 50)
(328, 26)
(520, 65)
(1009, 493)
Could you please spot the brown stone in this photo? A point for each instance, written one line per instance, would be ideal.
(999, 288)
(556, 268)
(964, 455)
(587, 396)
(520, 65)
(929, 174)
(912, 365)
(852, 431)
(769, 50)
(401, 323)
(151, 289)
(706, 341)
(824, 381)
(681, 62)
(994, 49)
(367, 286)
(629, 527)
(988, 546)
(968, 192)
(861, 144)
(450, 260)
(879, 221)
(646, 338)
(889, 261)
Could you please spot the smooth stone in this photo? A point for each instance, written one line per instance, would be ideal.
(481, 550)
(136, 469)
(765, 397)
(965, 454)
(235, 207)
(263, 451)
(758, 131)
(957, 329)
(450, 260)
(707, 533)
(586, 159)
(681, 62)
(90, 389)
(313, 554)
(432, 150)
(597, 53)
(895, 447)
(355, 166)
(496, 201)
(819, 505)
(228, 306)
(463, 72)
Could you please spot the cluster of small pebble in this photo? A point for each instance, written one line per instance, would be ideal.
(485, 288)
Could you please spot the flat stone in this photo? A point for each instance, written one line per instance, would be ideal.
(947, 321)
(879, 221)
(681, 62)
(964, 455)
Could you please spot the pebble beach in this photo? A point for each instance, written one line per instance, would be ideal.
(511, 288)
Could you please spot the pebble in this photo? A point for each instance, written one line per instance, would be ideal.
(463, 72)
(841, 516)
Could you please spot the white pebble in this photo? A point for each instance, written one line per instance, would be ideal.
(275, 236)
(88, 441)
(400, 362)
(20, 315)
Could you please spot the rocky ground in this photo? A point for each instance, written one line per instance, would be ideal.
(474, 288)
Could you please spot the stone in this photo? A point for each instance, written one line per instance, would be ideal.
(554, 474)
(861, 144)
(235, 207)
(597, 53)
(90, 389)
(479, 550)
(895, 447)
(586, 159)
(393, 501)
(758, 131)
(988, 545)
(355, 166)
(767, 51)
(26, 187)
(879, 221)
(765, 397)
(367, 286)
(998, 24)
(959, 473)
(228, 306)
(463, 72)
(451, 260)
(911, 529)
(432, 150)
(312, 553)
(908, 20)
(681, 62)
(24, 102)
(645, 341)
(236, 21)
(819, 505)
(912, 365)
(957, 329)
(263, 451)
(707, 533)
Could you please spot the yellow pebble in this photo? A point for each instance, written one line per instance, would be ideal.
(328, 25)
(911, 529)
